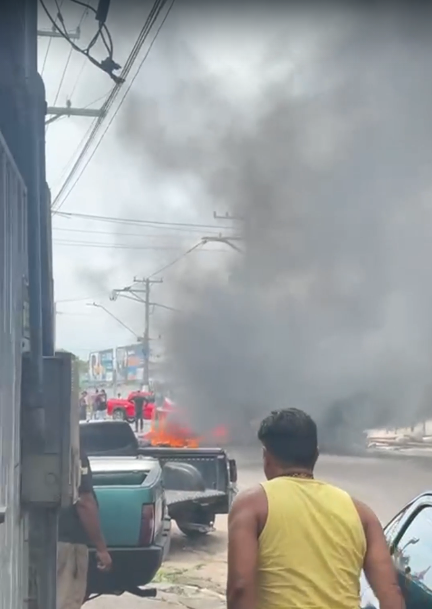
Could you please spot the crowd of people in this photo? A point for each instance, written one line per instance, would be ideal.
(96, 406)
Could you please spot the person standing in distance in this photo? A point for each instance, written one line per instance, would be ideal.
(102, 405)
(139, 401)
(95, 403)
(78, 526)
(295, 541)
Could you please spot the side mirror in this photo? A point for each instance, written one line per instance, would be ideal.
(232, 470)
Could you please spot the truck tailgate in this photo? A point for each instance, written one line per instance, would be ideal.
(186, 497)
(120, 513)
(210, 462)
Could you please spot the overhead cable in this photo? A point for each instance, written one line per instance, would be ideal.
(126, 246)
(69, 57)
(107, 65)
(63, 193)
(49, 46)
(176, 260)
(136, 221)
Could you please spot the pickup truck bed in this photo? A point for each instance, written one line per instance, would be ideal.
(199, 483)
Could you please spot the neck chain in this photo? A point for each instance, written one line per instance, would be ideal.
(300, 475)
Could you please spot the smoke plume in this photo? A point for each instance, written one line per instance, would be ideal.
(328, 172)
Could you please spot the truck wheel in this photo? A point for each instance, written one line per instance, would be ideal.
(192, 533)
(119, 414)
(196, 524)
(166, 549)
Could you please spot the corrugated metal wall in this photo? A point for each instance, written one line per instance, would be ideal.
(12, 276)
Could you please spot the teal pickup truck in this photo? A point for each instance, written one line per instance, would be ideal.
(139, 490)
(133, 511)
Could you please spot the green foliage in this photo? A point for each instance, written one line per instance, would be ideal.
(82, 364)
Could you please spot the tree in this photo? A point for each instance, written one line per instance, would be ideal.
(82, 364)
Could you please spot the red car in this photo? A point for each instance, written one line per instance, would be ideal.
(124, 409)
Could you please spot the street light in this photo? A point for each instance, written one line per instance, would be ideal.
(226, 240)
(119, 321)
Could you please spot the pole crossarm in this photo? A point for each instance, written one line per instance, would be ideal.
(69, 111)
(75, 35)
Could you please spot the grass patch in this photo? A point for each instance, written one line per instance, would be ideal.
(169, 576)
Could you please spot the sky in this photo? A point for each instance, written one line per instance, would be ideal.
(92, 257)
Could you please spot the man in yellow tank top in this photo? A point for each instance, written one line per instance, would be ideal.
(295, 542)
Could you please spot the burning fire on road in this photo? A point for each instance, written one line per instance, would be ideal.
(167, 430)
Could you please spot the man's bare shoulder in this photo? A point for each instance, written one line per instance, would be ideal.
(366, 514)
(249, 496)
(250, 504)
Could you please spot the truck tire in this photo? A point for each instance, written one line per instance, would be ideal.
(195, 521)
(199, 523)
(191, 533)
(119, 414)
(178, 476)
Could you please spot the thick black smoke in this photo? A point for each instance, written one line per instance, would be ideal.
(329, 308)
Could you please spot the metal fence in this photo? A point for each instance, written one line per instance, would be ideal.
(13, 270)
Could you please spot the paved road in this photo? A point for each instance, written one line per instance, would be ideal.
(195, 574)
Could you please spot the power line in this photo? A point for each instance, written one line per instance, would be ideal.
(61, 117)
(99, 306)
(173, 262)
(137, 222)
(109, 102)
(48, 47)
(76, 151)
(124, 246)
(80, 73)
(63, 75)
(113, 245)
(67, 300)
(108, 65)
(69, 57)
(143, 36)
(120, 234)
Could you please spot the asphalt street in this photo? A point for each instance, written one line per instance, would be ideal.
(194, 575)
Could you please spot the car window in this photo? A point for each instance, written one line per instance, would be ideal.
(413, 553)
(107, 437)
(393, 526)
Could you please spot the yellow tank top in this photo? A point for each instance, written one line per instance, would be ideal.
(311, 549)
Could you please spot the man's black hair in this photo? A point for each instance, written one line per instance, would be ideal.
(291, 437)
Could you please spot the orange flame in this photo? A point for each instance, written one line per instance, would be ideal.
(165, 431)
(169, 433)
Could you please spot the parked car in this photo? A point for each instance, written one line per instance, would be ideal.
(409, 536)
(123, 409)
(139, 490)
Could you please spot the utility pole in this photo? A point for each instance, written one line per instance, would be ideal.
(146, 339)
(132, 293)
